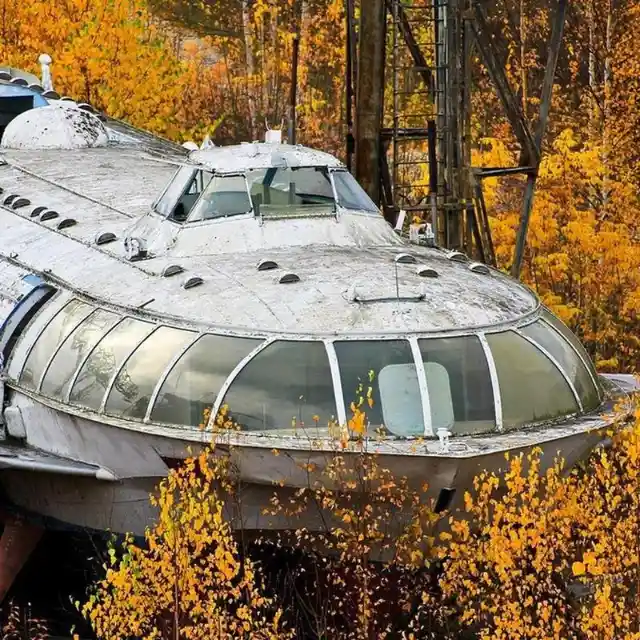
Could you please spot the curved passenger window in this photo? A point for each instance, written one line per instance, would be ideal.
(129, 397)
(287, 386)
(568, 359)
(532, 388)
(72, 353)
(571, 337)
(62, 324)
(194, 383)
(459, 385)
(106, 358)
(224, 196)
(15, 316)
(388, 367)
(350, 194)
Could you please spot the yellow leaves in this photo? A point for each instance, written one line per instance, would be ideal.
(578, 569)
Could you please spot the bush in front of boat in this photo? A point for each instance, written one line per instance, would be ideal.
(530, 555)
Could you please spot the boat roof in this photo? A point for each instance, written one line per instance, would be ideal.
(262, 155)
(334, 275)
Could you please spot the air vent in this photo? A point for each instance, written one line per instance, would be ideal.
(288, 278)
(104, 237)
(172, 270)
(457, 256)
(478, 267)
(10, 199)
(37, 211)
(194, 281)
(5, 75)
(19, 81)
(85, 106)
(405, 258)
(51, 95)
(426, 272)
(20, 202)
(49, 215)
(66, 99)
(66, 223)
(36, 87)
(267, 265)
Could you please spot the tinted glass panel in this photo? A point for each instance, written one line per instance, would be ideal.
(134, 385)
(572, 338)
(96, 373)
(350, 194)
(568, 359)
(531, 387)
(459, 385)
(224, 196)
(73, 352)
(46, 344)
(176, 187)
(394, 376)
(287, 382)
(195, 381)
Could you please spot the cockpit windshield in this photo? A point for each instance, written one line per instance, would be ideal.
(350, 194)
(286, 191)
(224, 196)
(197, 194)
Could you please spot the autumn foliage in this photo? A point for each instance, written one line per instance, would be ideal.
(533, 554)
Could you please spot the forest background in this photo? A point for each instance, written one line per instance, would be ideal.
(190, 68)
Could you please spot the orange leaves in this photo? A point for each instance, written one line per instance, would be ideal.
(190, 569)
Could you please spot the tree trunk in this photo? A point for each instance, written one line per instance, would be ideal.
(250, 66)
(523, 61)
(593, 115)
(607, 101)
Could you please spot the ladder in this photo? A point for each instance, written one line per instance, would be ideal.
(426, 134)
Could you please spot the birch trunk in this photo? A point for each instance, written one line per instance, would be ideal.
(250, 65)
(523, 61)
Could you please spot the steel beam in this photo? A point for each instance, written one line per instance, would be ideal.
(545, 106)
(510, 103)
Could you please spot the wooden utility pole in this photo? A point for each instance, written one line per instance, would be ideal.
(370, 96)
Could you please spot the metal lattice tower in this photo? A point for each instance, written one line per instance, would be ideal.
(413, 114)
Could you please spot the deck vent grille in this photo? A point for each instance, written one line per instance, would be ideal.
(37, 211)
(478, 267)
(38, 88)
(66, 99)
(19, 81)
(104, 237)
(49, 215)
(426, 272)
(457, 256)
(5, 75)
(172, 270)
(405, 258)
(20, 202)
(267, 265)
(194, 281)
(85, 106)
(51, 95)
(10, 199)
(66, 223)
(288, 278)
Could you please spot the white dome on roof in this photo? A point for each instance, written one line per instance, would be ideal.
(56, 126)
